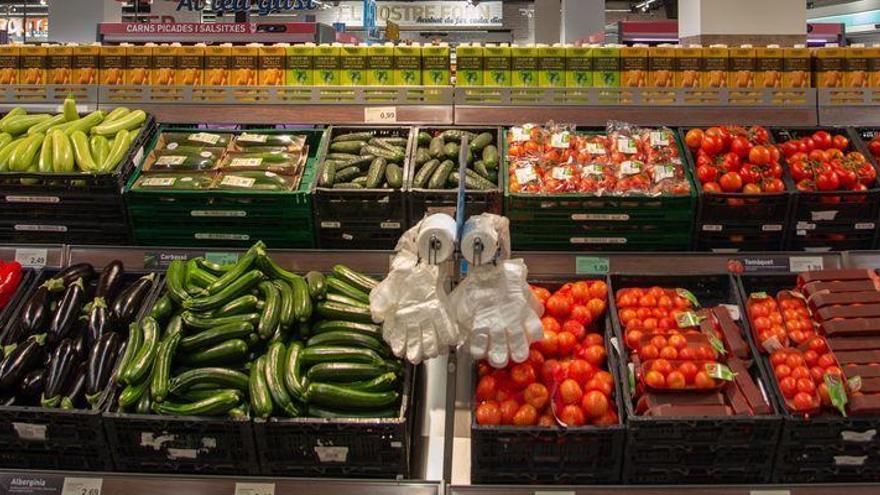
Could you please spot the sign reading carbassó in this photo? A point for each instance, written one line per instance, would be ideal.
(417, 14)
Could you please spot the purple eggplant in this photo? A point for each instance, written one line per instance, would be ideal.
(63, 365)
(67, 312)
(69, 275)
(74, 389)
(34, 316)
(102, 360)
(26, 356)
(110, 280)
(99, 322)
(8, 400)
(31, 386)
(80, 343)
(129, 301)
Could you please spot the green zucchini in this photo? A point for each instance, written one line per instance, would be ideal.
(368, 329)
(441, 175)
(242, 265)
(212, 406)
(315, 282)
(394, 176)
(131, 394)
(293, 379)
(338, 286)
(339, 298)
(214, 377)
(175, 325)
(261, 400)
(376, 174)
(381, 383)
(328, 395)
(224, 353)
(242, 284)
(339, 354)
(302, 301)
(174, 281)
(271, 312)
(275, 364)
(193, 321)
(162, 308)
(355, 279)
(321, 412)
(421, 178)
(344, 372)
(142, 363)
(197, 395)
(286, 316)
(143, 404)
(216, 335)
(212, 267)
(348, 339)
(247, 303)
(135, 336)
(162, 368)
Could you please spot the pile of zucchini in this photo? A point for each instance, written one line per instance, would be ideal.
(361, 160)
(436, 160)
(66, 341)
(66, 143)
(240, 340)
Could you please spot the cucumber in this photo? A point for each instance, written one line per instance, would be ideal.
(436, 148)
(390, 142)
(231, 351)
(162, 368)
(376, 174)
(261, 400)
(339, 298)
(347, 185)
(247, 303)
(216, 335)
(315, 281)
(394, 176)
(480, 168)
(422, 156)
(381, 383)
(421, 178)
(347, 339)
(396, 155)
(212, 406)
(490, 156)
(193, 321)
(325, 394)
(441, 175)
(337, 286)
(142, 362)
(213, 377)
(275, 364)
(354, 136)
(478, 143)
(424, 138)
(321, 412)
(286, 316)
(357, 280)
(450, 151)
(328, 174)
(271, 312)
(456, 135)
(341, 157)
(368, 329)
(347, 146)
(361, 181)
(344, 372)
(293, 378)
(346, 175)
(302, 301)
(361, 162)
(339, 354)
(471, 182)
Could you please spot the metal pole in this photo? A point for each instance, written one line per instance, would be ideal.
(24, 26)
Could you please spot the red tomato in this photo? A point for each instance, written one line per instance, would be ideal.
(488, 413)
(572, 415)
(662, 365)
(599, 290)
(655, 379)
(508, 411)
(689, 370)
(794, 360)
(711, 187)
(559, 306)
(741, 146)
(608, 419)
(806, 385)
(694, 138)
(541, 293)
(580, 291)
(712, 145)
(527, 415)
(596, 307)
(703, 380)
(840, 142)
(822, 140)
(567, 341)
(537, 395)
(580, 371)
(669, 352)
(551, 324)
(486, 388)
(788, 387)
(825, 361)
(731, 182)
(803, 402)
(522, 375)
(594, 339)
(676, 380)
(782, 371)
(706, 173)
(547, 421)
(549, 345)
(594, 404)
(827, 181)
(549, 371)
(658, 341)
(648, 351)
(570, 391)
(595, 355)
(759, 155)
(580, 315)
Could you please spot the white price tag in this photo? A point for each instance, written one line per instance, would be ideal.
(380, 115)
(82, 486)
(255, 489)
(712, 228)
(35, 258)
(662, 172)
(236, 181)
(865, 226)
(630, 167)
(170, 160)
(592, 170)
(626, 145)
(659, 138)
(595, 149)
(30, 431)
(252, 138)
(561, 173)
(799, 264)
(519, 134)
(525, 175)
(560, 139)
(158, 181)
(204, 137)
(37, 199)
(245, 162)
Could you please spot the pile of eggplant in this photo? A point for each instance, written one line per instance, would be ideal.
(62, 346)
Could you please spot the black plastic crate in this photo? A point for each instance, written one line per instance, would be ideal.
(344, 218)
(422, 201)
(746, 212)
(698, 449)
(825, 448)
(736, 237)
(70, 208)
(351, 448)
(833, 206)
(834, 236)
(537, 455)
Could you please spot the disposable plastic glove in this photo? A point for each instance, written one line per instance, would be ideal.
(496, 308)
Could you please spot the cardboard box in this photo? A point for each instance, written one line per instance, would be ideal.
(113, 66)
(86, 61)
(326, 62)
(769, 67)
(796, 71)
(634, 66)
(380, 65)
(743, 66)
(33, 64)
(271, 65)
(469, 65)
(164, 65)
(435, 65)
(661, 67)
(217, 63)
(857, 73)
(606, 66)
(139, 65)
(408, 65)
(578, 66)
(353, 65)
(300, 67)
(9, 64)
(189, 69)
(688, 66)
(830, 64)
(716, 65)
(496, 65)
(551, 66)
(244, 65)
(59, 64)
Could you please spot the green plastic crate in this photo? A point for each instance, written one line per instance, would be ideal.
(228, 218)
(575, 222)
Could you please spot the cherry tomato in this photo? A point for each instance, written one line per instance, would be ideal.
(703, 380)
(788, 387)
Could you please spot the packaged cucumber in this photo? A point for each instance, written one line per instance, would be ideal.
(282, 162)
(161, 181)
(255, 180)
(248, 140)
(198, 139)
(185, 159)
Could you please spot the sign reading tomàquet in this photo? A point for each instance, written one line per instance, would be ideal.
(417, 14)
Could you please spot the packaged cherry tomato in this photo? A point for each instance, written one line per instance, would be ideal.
(661, 375)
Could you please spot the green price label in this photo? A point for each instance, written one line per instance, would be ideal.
(222, 258)
(592, 265)
(837, 392)
(719, 371)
